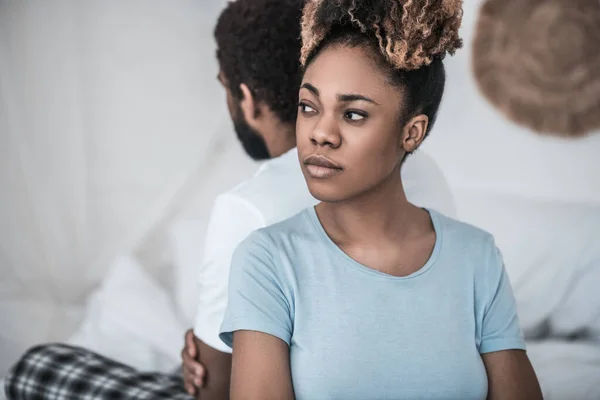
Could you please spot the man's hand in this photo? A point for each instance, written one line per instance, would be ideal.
(193, 371)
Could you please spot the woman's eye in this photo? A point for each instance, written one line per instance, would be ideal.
(306, 108)
(354, 116)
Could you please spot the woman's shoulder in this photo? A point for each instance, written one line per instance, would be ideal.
(464, 239)
(259, 256)
(299, 223)
(277, 235)
(471, 247)
(462, 230)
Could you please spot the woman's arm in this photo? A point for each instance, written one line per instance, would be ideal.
(260, 367)
(511, 376)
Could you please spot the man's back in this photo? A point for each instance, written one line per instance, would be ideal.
(276, 192)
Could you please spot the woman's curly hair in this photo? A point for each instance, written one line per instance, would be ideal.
(410, 33)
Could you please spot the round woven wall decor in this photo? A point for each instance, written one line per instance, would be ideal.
(538, 61)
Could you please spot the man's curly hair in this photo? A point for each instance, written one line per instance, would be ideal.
(258, 43)
(409, 33)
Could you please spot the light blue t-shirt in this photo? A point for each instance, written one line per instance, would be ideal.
(356, 333)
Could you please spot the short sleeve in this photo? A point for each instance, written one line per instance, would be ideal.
(256, 297)
(500, 328)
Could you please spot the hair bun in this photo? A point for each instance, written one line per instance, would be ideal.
(411, 33)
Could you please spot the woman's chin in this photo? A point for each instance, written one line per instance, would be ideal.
(326, 191)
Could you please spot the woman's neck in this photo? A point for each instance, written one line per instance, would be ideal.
(381, 212)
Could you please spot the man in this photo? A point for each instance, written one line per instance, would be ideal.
(258, 53)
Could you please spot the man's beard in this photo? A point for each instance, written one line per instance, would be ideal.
(253, 143)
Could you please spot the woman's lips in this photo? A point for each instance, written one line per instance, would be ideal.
(321, 167)
(319, 172)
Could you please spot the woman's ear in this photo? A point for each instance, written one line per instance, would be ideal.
(414, 132)
(248, 104)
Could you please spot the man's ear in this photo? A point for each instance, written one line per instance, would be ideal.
(248, 104)
(414, 132)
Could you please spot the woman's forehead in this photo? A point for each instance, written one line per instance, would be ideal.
(341, 69)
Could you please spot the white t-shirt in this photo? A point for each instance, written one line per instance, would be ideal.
(276, 192)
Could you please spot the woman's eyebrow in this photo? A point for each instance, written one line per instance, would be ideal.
(310, 88)
(346, 98)
(342, 98)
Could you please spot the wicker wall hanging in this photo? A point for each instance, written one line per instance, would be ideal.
(538, 61)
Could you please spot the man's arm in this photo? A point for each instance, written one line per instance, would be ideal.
(197, 357)
(511, 376)
(218, 372)
(232, 220)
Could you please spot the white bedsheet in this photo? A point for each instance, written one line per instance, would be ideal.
(567, 370)
(133, 319)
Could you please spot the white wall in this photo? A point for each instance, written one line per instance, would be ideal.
(108, 110)
(479, 149)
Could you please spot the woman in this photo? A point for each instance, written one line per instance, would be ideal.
(367, 296)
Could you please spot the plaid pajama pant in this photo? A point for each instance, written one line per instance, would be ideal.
(62, 372)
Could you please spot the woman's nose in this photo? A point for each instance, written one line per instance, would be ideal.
(326, 133)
